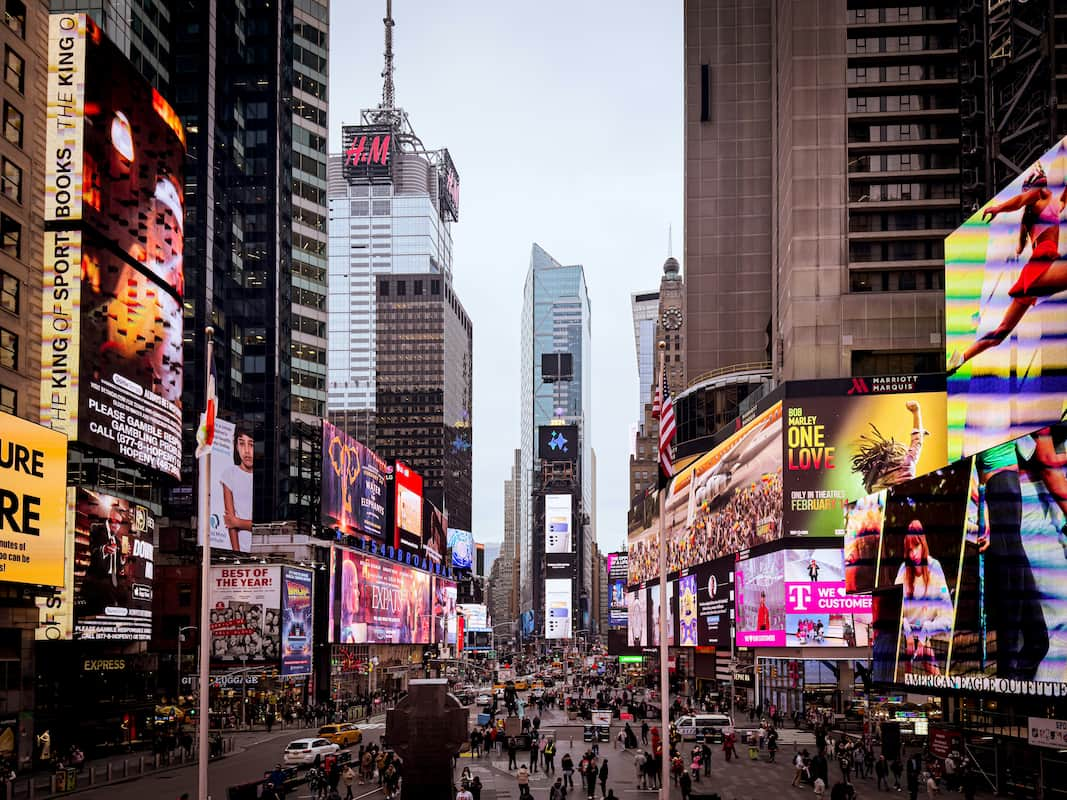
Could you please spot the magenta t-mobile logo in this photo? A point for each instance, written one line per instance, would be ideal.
(799, 596)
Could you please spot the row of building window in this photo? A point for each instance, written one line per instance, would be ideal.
(877, 192)
(900, 72)
(891, 14)
(9, 349)
(898, 44)
(901, 162)
(9, 400)
(901, 133)
(417, 287)
(918, 280)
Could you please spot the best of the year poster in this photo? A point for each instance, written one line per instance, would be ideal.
(844, 439)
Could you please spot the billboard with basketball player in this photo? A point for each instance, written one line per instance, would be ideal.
(1006, 311)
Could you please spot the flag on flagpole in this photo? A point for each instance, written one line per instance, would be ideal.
(667, 428)
(205, 434)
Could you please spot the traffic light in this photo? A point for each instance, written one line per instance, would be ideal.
(774, 672)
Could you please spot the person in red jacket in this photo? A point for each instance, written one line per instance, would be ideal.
(763, 614)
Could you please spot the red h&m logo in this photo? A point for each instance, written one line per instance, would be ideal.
(859, 386)
(374, 151)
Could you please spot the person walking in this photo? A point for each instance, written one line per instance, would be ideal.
(685, 783)
(591, 774)
(644, 732)
(896, 768)
(881, 772)
(523, 778)
(511, 753)
(639, 768)
(535, 753)
(798, 767)
(557, 792)
(476, 788)
(603, 775)
(567, 765)
(913, 767)
(550, 756)
(772, 743)
(464, 794)
(348, 777)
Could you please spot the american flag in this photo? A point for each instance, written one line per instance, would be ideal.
(664, 411)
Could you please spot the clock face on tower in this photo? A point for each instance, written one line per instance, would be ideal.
(672, 318)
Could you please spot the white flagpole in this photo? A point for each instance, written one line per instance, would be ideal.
(664, 686)
(204, 534)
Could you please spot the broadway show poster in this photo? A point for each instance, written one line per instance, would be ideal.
(383, 602)
(760, 599)
(296, 621)
(728, 499)
(131, 364)
(844, 439)
(245, 614)
(114, 552)
(353, 485)
(818, 610)
(1006, 311)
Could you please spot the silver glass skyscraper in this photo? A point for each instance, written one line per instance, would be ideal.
(556, 318)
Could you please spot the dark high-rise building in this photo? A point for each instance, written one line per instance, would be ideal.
(424, 387)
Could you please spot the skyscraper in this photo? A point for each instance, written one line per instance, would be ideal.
(556, 318)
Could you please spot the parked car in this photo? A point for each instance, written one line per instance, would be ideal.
(345, 734)
(483, 700)
(303, 752)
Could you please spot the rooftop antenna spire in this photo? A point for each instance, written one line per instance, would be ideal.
(388, 92)
(670, 241)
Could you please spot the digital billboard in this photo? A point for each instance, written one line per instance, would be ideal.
(846, 438)
(444, 611)
(114, 554)
(448, 187)
(637, 617)
(760, 599)
(715, 602)
(642, 544)
(972, 580)
(558, 608)
(617, 571)
(353, 485)
(382, 602)
(33, 507)
(369, 152)
(232, 455)
(653, 611)
(728, 499)
(558, 516)
(1006, 312)
(435, 539)
(245, 614)
(818, 610)
(863, 536)
(55, 621)
(557, 442)
(461, 545)
(475, 617)
(112, 356)
(408, 507)
(297, 588)
(688, 617)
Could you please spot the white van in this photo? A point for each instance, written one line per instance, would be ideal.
(697, 726)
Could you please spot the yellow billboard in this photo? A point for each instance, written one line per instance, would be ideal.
(33, 508)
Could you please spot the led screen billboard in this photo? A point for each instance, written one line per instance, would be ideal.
(112, 354)
(408, 507)
(558, 608)
(653, 611)
(818, 610)
(714, 603)
(637, 617)
(353, 485)
(760, 599)
(971, 579)
(475, 617)
(435, 538)
(642, 541)
(617, 570)
(55, 612)
(382, 602)
(863, 536)
(461, 545)
(245, 615)
(448, 187)
(444, 611)
(297, 588)
(232, 455)
(1006, 312)
(33, 507)
(557, 442)
(369, 152)
(846, 438)
(114, 554)
(727, 500)
(558, 516)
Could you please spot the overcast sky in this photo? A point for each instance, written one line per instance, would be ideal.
(564, 120)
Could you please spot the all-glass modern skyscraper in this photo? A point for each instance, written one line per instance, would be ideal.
(556, 318)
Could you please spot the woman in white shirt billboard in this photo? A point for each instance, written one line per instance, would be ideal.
(926, 615)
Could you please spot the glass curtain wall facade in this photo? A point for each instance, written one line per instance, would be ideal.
(556, 318)
(645, 307)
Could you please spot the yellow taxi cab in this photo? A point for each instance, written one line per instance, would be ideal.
(521, 685)
(499, 687)
(344, 734)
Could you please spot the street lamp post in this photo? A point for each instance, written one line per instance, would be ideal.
(181, 633)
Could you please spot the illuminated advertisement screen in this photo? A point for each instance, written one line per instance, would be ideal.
(408, 507)
(687, 611)
(558, 515)
(55, 612)
(382, 602)
(444, 611)
(296, 621)
(972, 579)
(642, 549)
(818, 610)
(863, 535)
(114, 549)
(558, 609)
(353, 485)
(714, 603)
(461, 544)
(637, 617)
(33, 506)
(653, 611)
(557, 442)
(476, 617)
(448, 187)
(1006, 312)
(846, 438)
(117, 151)
(760, 600)
(232, 457)
(245, 614)
(617, 570)
(435, 540)
(369, 151)
(726, 500)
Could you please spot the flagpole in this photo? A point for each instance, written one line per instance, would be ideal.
(204, 535)
(664, 688)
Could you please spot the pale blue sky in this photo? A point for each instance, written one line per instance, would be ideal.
(564, 120)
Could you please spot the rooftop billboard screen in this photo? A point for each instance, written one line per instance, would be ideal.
(353, 485)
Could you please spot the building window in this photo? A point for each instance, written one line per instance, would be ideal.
(9, 292)
(11, 181)
(401, 288)
(185, 595)
(383, 288)
(9, 400)
(417, 287)
(12, 124)
(14, 70)
(15, 16)
(9, 349)
(10, 236)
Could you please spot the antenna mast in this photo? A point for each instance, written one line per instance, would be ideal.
(388, 92)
